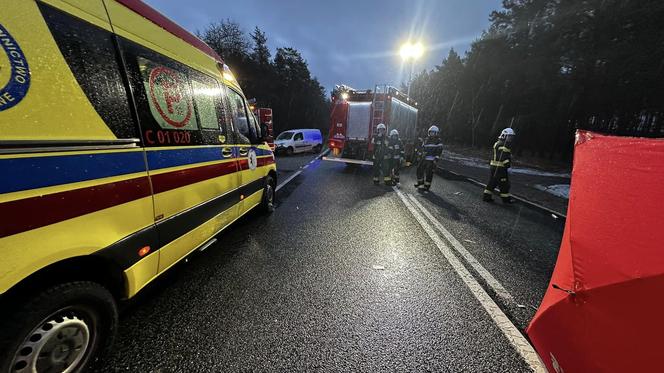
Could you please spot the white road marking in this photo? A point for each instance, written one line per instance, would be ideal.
(508, 329)
(496, 286)
(291, 177)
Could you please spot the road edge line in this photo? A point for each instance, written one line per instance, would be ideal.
(491, 281)
(298, 172)
(509, 330)
(519, 198)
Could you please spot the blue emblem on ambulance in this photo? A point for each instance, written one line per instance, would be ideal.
(19, 81)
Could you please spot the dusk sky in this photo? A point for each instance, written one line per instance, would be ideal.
(352, 42)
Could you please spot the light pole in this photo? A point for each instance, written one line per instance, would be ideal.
(411, 51)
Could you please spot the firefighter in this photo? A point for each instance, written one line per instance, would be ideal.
(429, 151)
(381, 155)
(498, 176)
(395, 146)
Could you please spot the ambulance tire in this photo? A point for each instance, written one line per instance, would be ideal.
(269, 193)
(58, 318)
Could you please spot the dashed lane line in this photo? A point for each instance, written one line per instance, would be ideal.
(288, 180)
(491, 281)
(509, 330)
(298, 172)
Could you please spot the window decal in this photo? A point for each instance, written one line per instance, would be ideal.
(168, 95)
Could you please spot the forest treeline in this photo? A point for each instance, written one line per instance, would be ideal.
(548, 67)
(282, 82)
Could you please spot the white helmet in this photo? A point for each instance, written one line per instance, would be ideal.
(433, 129)
(506, 132)
(394, 133)
(380, 127)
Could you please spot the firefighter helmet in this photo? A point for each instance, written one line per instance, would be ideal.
(380, 128)
(433, 130)
(506, 132)
(394, 133)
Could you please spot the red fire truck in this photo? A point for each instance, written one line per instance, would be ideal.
(355, 115)
(264, 116)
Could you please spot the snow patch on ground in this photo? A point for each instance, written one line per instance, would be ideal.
(481, 163)
(558, 190)
(532, 171)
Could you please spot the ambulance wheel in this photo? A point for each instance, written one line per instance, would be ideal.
(269, 192)
(62, 329)
(290, 150)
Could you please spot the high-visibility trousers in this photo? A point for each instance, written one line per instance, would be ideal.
(498, 177)
(425, 172)
(382, 165)
(395, 167)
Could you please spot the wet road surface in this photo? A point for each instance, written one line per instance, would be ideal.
(287, 165)
(342, 277)
(525, 185)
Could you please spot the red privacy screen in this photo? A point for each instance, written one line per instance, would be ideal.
(604, 308)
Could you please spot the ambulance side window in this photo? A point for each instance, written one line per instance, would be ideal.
(255, 128)
(169, 96)
(176, 105)
(239, 116)
(92, 57)
(207, 93)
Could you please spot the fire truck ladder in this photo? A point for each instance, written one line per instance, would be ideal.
(378, 105)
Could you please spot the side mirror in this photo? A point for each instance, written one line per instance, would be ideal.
(264, 136)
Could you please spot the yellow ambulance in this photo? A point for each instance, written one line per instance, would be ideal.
(125, 144)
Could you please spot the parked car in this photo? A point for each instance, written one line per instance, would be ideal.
(299, 141)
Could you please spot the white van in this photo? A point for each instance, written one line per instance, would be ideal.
(299, 140)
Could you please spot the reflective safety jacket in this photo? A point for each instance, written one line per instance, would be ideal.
(431, 148)
(501, 154)
(380, 147)
(395, 147)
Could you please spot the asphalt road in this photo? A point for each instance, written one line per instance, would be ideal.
(343, 277)
(524, 185)
(287, 165)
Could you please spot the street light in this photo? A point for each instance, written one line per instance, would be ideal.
(411, 51)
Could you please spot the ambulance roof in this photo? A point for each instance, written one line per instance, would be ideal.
(148, 12)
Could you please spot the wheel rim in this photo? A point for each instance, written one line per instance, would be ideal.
(57, 345)
(269, 198)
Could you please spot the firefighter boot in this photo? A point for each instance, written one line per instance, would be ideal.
(388, 180)
(486, 196)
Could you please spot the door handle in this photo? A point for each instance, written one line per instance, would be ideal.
(227, 152)
(244, 151)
